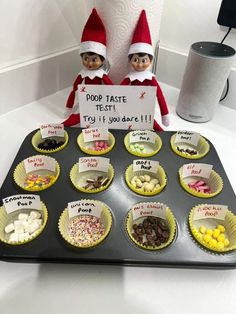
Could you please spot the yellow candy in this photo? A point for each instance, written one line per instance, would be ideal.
(226, 242)
(199, 235)
(216, 233)
(221, 238)
(220, 245)
(209, 231)
(221, 228)
(207, 238)
(213, 243)
(202, 229)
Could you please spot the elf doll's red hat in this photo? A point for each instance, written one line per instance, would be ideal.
(94, 35)
(141, 41)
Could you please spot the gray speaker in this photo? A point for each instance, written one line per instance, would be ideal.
(208, 67)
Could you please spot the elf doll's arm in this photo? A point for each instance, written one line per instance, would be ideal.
(126, 81)
(162, 103)
(71, 98)
(106, 80)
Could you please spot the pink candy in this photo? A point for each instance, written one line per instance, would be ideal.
(100, 145)
(200, 186)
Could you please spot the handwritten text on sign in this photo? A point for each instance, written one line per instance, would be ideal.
(22, 201)
(198, 170)
(210, 211)
(84, 207)
(39, 162)
(149, 209)
(95, 134)
(117, 107)
(187, 137)
(48, 130)
(146, 165)
(142, 136)
(94, 163)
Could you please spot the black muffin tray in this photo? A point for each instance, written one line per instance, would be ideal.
(118, 248)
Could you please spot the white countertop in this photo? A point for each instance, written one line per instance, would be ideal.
(59, 288)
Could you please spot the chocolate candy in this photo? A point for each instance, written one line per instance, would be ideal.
(95, 183)
(48, 144)
(153, 231)
(187, 151)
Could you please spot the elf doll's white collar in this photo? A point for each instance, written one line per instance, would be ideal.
(140, 76)
(92, 73)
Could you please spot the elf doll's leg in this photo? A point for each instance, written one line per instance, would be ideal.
(72, 120)
(157, 127)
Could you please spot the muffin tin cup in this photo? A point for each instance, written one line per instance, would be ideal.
(229, 223)
(79, 179)
(106, 219)
(202, 148)
(37, 139)
(153, 147)
(20, 175)
(85, 146)
(171, 223)
(215, 182)
(160, 175)
(5, 219)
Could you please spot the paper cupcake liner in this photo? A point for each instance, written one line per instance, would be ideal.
(202, 148)
(153, 147)
(215, 182)
(20, 175)
(160, 175)
(106, 218)
(230, 226)
(37, 139)
(5, 219)
(77, 177)
(86, 150)
(172, 228)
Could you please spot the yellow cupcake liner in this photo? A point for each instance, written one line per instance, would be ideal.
(20, 175)
(230, 226)
(160, 175)
(170, 218)
(155, 147)
(106, 219)
(82, 145)
(215, 182)
(77, 177)
(5, 219)
(202, 148)
(37, 139)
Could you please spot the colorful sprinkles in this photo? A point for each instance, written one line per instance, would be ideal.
(38, 181)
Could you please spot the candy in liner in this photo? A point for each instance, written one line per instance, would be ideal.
(37, 139)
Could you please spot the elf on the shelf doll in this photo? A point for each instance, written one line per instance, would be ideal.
(93, 54)
(140, 59)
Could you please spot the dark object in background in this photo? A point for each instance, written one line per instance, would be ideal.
(227, 13)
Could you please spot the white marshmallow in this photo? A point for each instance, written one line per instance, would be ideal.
(9, 228)
(13, 237)
(23, 236)
(23, 216)
(35, 215)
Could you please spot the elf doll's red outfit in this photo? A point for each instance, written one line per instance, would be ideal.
(93, 41)
(141, 44)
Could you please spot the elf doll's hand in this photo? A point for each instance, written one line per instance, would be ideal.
(165, 120)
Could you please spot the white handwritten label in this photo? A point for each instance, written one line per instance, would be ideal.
(84, 207)
(144, 164)
(117, 107)
(142, 136)
(210, 211)
(39, 162)
(48, 130)
(95, 134)
(196, 170)
(149, 209)
(187, 137)
(21, 201)
(94, 163)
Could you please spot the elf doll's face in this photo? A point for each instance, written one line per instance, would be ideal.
(140, 62)
(91, 61)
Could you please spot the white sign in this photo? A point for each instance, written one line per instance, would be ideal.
(95, 134)
(94, 163)
(187, 137)
(144, 164)
(117, 107)
(149, 209)
(142, 136)
(196, 170)
(48, 130)
(84, 207)
(21, 201)
(39, 162)
(210, 211)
